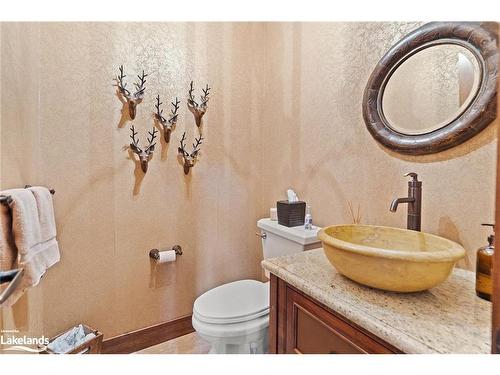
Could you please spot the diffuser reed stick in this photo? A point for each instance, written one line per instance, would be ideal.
(355, 216)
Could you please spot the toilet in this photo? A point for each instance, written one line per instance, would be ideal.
(234, 317)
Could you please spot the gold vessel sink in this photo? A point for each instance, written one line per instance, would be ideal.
(391, 259)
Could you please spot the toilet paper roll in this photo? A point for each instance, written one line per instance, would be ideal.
(167, 256)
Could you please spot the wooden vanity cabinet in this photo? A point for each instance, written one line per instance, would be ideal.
(299, 324)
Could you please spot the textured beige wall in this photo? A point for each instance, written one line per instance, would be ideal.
(61, 120)
(286, 111)
(317, 142)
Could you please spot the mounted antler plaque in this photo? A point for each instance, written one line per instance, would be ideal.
(168, 125)
(198, 109)
(189, 158)
(132, 99)
(144, 156)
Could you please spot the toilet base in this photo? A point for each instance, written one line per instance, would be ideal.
(256, 343)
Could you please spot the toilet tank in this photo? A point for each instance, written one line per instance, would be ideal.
(278, 240)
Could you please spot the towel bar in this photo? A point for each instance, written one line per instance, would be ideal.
(7, 199)
(12, 276)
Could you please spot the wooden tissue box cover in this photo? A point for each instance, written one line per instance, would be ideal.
(93, 346)
(291, 214)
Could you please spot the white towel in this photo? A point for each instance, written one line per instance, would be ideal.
(34, 230)
(8, 250)
(45, 208)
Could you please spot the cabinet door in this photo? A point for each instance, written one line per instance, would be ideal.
(311, 329)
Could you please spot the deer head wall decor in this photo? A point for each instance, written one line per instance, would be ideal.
(189, 158)
(146, 154)
(198, 109)
(132, 99)
(168, 125)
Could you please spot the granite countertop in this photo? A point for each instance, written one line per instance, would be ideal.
(449, 318)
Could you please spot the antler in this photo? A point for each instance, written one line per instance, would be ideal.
(159, 111)
(191, 89)
(173, 112)
(182, 148)
(135, 142)
(120, 83)
(140, 86)
(198, 142)
(204, 97)
(153, 136)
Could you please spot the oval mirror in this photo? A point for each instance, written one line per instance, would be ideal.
(433, 89)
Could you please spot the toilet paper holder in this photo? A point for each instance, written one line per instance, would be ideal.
(155, 253)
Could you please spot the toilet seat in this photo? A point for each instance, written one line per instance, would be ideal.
(236, 302)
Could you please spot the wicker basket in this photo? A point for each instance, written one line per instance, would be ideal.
(93, 346)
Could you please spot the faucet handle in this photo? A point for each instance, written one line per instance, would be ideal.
(413, 175)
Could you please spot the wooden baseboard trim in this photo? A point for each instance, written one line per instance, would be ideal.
(143, 338)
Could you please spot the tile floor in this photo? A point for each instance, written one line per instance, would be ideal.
(187, 344)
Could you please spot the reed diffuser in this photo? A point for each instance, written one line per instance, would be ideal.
(355, 215)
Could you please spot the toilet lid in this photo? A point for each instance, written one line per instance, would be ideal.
(234, 302)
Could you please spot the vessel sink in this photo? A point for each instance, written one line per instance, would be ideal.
(391, 259)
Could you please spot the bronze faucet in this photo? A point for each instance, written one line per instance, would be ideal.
(414, 201)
